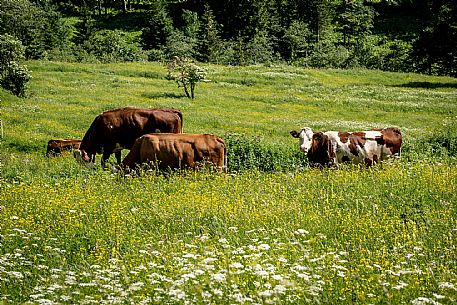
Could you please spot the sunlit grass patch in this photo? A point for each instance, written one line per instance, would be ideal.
(344, 236)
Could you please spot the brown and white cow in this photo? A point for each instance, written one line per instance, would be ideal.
(174, 151)
(117, 129)
(333, 147)
(57, 147)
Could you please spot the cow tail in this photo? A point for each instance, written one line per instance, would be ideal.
(182, 122)
(224, 166)
(133, 157)
(225, 159)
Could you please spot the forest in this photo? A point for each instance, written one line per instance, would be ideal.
(389, 35)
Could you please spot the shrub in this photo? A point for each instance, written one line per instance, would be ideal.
(442, 142)
(252, 153)
(388, 55)
(13, 76)
(114, 46)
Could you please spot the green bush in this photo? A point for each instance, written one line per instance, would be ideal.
(384, 54)
(328, 55)
(114, 46)
(253, 153)
(13, 76)
(441, 143)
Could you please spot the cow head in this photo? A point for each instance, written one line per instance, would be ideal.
(83, 157)
(305, 136)
(321, 151)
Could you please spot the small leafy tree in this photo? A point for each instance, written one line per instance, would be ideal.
(13, 76)
(185, 73)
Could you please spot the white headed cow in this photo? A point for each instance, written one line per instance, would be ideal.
(333, 147)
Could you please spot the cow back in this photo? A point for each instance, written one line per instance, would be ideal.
(57, 147)
(168, 150)
(121, 127)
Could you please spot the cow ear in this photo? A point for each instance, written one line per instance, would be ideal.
(294, 134)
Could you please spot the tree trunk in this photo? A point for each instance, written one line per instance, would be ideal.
(124, 6)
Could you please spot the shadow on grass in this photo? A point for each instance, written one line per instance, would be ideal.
(158, 95)
(428, 85)
(26, 147)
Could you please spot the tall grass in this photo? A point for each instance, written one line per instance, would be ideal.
(330, 236)
(271, 230)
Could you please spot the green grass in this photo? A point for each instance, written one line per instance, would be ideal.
(270, 231)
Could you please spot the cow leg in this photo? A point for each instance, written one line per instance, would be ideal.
(117, 154)
(105, 157)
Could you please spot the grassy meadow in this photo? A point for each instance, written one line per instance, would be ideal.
(270, 231)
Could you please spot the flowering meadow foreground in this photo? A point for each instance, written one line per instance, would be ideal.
(348, 236)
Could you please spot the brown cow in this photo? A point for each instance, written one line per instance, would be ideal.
(117, 129)
(173, 151)
(57, 147)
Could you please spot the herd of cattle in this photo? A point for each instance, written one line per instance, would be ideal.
(155, 135)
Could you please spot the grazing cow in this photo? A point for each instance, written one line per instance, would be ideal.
(117, 129)
(173, 151)
(333, 148)
(57, 147)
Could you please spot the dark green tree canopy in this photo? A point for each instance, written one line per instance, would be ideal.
(394, 35)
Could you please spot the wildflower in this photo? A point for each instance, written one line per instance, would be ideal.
(14, 218)
(204, 237)
(301, 231)
(265, 293)
(189, 255)
(262, 273)
(281, 289)
(177, 293)
(340, 273)
(16, 274)
(446, 285)
(218, 277)
(240, 298)
(136, 286)
(338, 267)
(237, 265)
(218, 292)
(400, 285)
(188, 276)
(209, 260)
(277, 277)
(264, 247)
(422, 301)
(282, 260)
